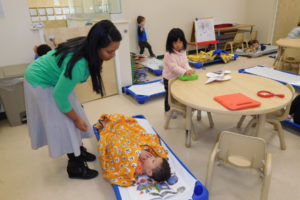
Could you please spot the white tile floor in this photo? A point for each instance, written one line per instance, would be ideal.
(27, 174)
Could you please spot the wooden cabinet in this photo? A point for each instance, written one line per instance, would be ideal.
(85, 91)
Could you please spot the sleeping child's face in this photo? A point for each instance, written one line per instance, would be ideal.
(255, 45)
(150, 163)
(178, 45)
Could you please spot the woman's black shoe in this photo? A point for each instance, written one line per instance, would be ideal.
(80, 170)
(86, 156)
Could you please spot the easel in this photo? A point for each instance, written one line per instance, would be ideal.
(194, 40)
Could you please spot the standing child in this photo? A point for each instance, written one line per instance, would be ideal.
(175, 60)
(142, 37)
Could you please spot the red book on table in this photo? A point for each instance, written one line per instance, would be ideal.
(236, 101)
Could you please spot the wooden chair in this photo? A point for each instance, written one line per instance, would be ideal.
(273, 118)
(237, 41)
(253, 36)
(291, 58)
(176, 106)
(241, 151)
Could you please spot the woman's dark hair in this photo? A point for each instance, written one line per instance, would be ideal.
(100, 36)
(140, 19)
(298, 24)
(163, 172)
(42, 49)
(173, 36)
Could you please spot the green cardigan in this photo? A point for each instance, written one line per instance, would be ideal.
(45, 72)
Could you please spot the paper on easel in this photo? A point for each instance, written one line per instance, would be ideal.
(204, 30)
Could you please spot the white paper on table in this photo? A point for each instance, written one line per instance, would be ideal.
(217, 77)
(148, 89)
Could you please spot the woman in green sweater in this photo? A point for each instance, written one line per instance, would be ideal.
(55, 116)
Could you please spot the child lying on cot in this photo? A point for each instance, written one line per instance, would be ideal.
(127, 151)
(254, 47)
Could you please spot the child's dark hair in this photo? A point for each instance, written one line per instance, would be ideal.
(42, 49)
(163, 172)
(298, 24)
(140, 19)
(173, 36)
(100, 36)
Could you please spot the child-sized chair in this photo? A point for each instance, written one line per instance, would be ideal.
(237, 40)
(242, 151)
(253, 36)
(273, 118)
(291, 57)
(176, 106)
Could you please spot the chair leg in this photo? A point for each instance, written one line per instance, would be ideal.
(198, 115)
(281, 135)
(231, 46)
(225, 46)
(239, 124)
(267, 178)
(211, 122)
(168, 118)
(252, 121)
(210, 167)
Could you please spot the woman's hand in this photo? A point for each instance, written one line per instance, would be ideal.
(189, 72)
(80, 124)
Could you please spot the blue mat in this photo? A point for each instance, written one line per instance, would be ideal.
(140, 97)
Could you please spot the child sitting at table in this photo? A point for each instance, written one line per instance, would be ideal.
(295, 32)
(127, 151)
(175, 61)
(295, 110)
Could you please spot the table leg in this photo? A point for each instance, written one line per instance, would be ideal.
(260, 125)
(188, 126)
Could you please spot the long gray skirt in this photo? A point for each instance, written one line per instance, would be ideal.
(49, 126)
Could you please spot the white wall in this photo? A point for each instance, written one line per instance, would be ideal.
(162, 16)
(262, 15)
(123, 63)
(16, 38)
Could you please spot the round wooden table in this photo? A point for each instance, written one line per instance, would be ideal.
(200, 96)
(284, 43)
(288, 42)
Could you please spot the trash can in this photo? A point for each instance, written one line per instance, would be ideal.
(12, 98)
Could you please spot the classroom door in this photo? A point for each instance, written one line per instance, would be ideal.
(288, 16)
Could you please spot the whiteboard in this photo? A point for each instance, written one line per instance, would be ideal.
(204, 30)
